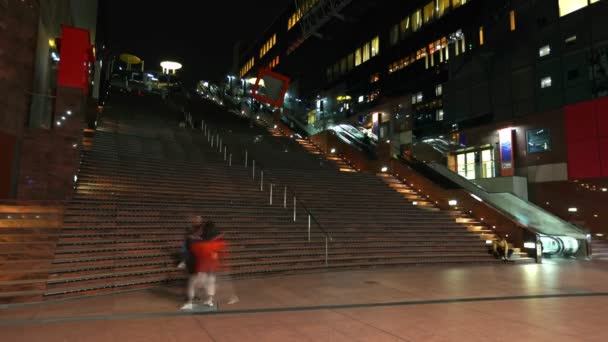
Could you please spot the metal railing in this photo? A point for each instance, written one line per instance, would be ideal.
(257, 169)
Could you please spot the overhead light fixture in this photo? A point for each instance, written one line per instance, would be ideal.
(63, 118)
(58, 123)
(69, 112)
(573, 210)
(604, 189)
(453, 203)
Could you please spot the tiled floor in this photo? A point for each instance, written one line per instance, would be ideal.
(496, 303)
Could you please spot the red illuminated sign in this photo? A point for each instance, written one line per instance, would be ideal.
(275, 88)
(75, 56)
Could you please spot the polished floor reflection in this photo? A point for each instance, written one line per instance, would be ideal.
(563, 301)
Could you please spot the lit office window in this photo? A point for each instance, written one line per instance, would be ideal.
(416, 20)
(481, 38)
(512, 20)
(544, 51)
(366, 52)
(545, 82)
(358, 57)
(439, 115)
(404, 27)
(439, 90)
(458, 3)
(375, 46)
(442, 7)
(429, 12)
(569, 6)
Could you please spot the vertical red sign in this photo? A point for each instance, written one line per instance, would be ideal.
(74, 58)
(507, 165)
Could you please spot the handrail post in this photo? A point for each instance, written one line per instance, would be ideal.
(285, 198)
(245, 158)
(294, 208)
(261, 180)
(308, 227)
(271, 185)
(326, 251)
(253, 168)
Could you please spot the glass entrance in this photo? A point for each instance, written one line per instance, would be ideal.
(476, 164)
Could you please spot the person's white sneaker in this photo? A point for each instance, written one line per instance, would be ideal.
(187, 306)
(182, 265)
(233, 300)
(209, 302)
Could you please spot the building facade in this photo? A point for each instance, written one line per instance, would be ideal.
(33, 103)
(498, 91)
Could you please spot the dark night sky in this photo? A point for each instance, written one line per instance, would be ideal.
(198, 33)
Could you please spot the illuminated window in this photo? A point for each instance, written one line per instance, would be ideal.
(439, 115)
(404, 27)
(439, 90)
(545, 82)
(357, 57)
(544, 51)
(569, 6)
(512, 20)
(429, 12)
(481, 41)
(375, 46)
(458, 3)
(268, 45)
(366, 52)
(416, 20)
(442, 7)
(305, 6)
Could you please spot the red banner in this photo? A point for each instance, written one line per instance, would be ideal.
(75, 57)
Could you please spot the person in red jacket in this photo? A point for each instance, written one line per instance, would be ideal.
(207, 263)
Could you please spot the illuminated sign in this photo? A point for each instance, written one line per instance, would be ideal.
(507, 167)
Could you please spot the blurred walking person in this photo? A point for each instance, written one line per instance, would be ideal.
(206, 265)
(194, 234)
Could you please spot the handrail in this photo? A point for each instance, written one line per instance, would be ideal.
(215, 140)
(262, 118)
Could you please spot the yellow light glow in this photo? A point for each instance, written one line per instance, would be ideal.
(52, 43)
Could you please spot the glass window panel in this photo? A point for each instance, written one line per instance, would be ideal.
(404, 27)
(375, 46)
(442, 7)
(569, 6)
(429, 12)
(358, 57)
(366, 52)
(394, 35)
(351, 61)
(538, 140)
(416, 20)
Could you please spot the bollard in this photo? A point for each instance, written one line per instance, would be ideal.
(271, 185)
(261, 180)
(308, 227)
(245, 158)
(225, 151)
(285, 198)
(253, 170)
(326, 252)
(294, 208)
(230, 160)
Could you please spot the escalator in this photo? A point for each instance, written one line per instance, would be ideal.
(558, 237)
